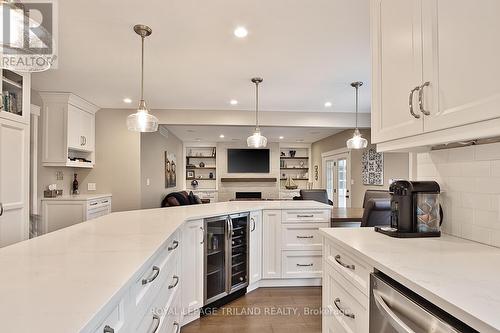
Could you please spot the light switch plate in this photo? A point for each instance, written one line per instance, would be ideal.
(91, 187)
(148, 182)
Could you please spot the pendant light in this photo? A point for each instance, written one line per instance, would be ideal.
(142, 121)
(257, 140)
(357, 141)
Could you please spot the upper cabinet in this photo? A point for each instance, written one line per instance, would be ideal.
(68, 130)
(435, 63)
(15, 88)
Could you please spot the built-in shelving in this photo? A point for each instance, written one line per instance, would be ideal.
(206, 155)
(295, 163)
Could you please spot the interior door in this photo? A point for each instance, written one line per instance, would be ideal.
(14, 177)
(337, 179)
(396, 68)
(461, 54)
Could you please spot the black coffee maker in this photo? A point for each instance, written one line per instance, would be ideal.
(415, 210)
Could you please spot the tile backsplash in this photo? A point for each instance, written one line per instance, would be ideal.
(470, 186)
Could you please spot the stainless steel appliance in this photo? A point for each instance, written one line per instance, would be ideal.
(395, 308)
(226, 256)
(415, 210)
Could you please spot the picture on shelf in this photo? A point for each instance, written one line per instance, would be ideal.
(170, 172)
(190, 174)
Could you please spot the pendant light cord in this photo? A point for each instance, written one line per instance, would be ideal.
(357, 87)
(142, 68)
(256, 105)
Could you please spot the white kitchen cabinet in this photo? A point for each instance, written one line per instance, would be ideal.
(68, 130)
(396, 66)
(434, 69)
(61, 212)
(460, 62)
(14, 181)
(255, 265)
(193, 239)
(271, 246)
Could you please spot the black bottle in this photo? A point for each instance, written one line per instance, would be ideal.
(75, 186)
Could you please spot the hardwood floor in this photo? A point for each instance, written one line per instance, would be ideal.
(266, 310)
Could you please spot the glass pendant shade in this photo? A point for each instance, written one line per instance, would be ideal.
(142, 121)
(357, 141)
(257, 140)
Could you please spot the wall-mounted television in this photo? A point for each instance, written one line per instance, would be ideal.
(248, 160)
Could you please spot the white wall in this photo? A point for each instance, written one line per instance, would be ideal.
(153, 147)
(470, 182)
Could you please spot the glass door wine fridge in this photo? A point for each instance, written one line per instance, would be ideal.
(226, 256)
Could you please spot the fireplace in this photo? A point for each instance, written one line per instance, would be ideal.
(248, 195)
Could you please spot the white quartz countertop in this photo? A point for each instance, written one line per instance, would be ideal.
(79, 197)
(459, 276)
(56, 283)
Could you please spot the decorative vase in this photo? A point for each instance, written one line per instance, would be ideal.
(194, 183)
(292, 153)
(202, 165)
(211, 175)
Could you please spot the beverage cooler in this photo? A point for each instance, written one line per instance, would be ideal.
(226, 256)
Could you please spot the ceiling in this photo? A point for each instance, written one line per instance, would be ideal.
(240, 133)
(307, 52)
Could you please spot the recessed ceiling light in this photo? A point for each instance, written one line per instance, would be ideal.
(221, 136)
(233, 102)
(241, 32)
(197, 139)
(328, 104)
(282, 137)
(127, 100)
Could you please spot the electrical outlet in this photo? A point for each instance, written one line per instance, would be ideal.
(59, 175)
(148, 182)
(91, 187)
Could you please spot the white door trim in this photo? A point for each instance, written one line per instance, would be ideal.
(328, 156)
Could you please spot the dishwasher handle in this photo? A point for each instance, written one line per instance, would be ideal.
(433, 323)
(395, 321)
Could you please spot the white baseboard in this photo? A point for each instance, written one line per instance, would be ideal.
(266, 283)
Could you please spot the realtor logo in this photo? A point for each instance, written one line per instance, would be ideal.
(29, 35)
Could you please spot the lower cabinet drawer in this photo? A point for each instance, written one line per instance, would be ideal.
(114, 321)
(303, 236)
(161, 270)
(158, 317)
(299, 216)
(352, 268)
(301, 264)
(346, 307)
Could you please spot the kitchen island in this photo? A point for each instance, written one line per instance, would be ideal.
(104, 275)
(459, 276)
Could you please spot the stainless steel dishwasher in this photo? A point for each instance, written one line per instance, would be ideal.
(395, 308)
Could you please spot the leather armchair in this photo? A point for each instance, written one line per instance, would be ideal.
(377, 212)
(316, 195)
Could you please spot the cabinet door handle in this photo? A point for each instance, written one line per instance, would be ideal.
(156, 272)
(156, 323)
(108, 329)
(337, 259)
(177, 327)
(302, 216)
(176, 278)
(253, 224)
(343, 311)
(93, 203)
(305, 237)
(175, 244)
(1, 209)
(202, 235)
(410, 102)
(305, 265)
(105, 201)
(421, 98)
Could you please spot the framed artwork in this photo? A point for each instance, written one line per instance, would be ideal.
(170, 170)
(372, 167)
(190, 174)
